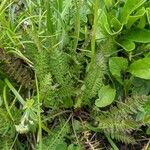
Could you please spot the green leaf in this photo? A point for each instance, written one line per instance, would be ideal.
(133, 19)
(148, 130)
(116, 66)
(127, 45)
(148, 14)
(103, 22)
(2, 5)
(73, 147)
(115, 27)
(141, 87)
(128, 8)
(147, 106)
(18, 96)
(141, 68)
(138, 35)
(50, 26)
(61, 146)
(142, 22)
(106, 96)
(108, 3)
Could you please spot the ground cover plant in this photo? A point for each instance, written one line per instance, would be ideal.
(74, 74)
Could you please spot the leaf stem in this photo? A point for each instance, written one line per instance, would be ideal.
(39, 139)
(114, 146)
(77, 23)
(6, 104)
(94, 31)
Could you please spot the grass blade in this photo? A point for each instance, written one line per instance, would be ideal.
(21, 100)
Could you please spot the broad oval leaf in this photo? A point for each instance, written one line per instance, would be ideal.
(139, 35)
(106, 96)
(141, 68)
(127, 45)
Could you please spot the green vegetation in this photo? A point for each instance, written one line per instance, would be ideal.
(74, 74)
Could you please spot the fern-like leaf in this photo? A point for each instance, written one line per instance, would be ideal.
(119, 120)
(17, 69)
(93, 80)
(59, 66)
(124, 138)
